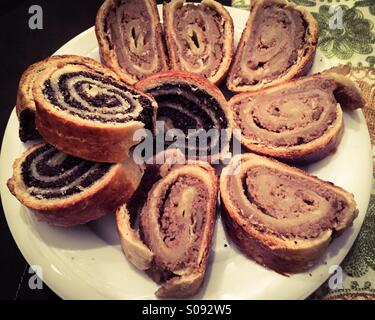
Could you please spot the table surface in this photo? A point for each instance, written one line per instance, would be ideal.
(64, 19)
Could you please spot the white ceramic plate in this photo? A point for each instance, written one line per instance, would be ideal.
(86, 262)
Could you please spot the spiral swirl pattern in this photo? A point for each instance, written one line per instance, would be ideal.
(50, 174)
(279, 200)
(277, 45)
(95, 97)
(289, 116)
(199, 37)
(196, 108)
(130, 38)
(176, 222)
(25, 105)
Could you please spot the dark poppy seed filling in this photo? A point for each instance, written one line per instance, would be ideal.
(98, 98)
(26, 107)
(185, 106)
(27, 129)
(50, 174)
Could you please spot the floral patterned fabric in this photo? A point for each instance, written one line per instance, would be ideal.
(352, 43)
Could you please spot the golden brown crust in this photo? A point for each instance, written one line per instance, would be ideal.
(168, 11)
(177, 75)
(281, 259)
(25, 98)
(346, 93)
(182, 287)
(300, 68)
(186, 284)
(303, 154)
(196, 80)
(107, 54)
(86, 139)
(278, 253)
(100, 199)
(132, 246)
(25, 104)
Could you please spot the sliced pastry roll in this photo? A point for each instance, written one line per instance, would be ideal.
(280, 216)
(176, 225)
(300, 121)
(89, 115)
(25, 105)
(277, 44)
(199, 37)
(130, 38)
(192, 104)
(67, 191)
